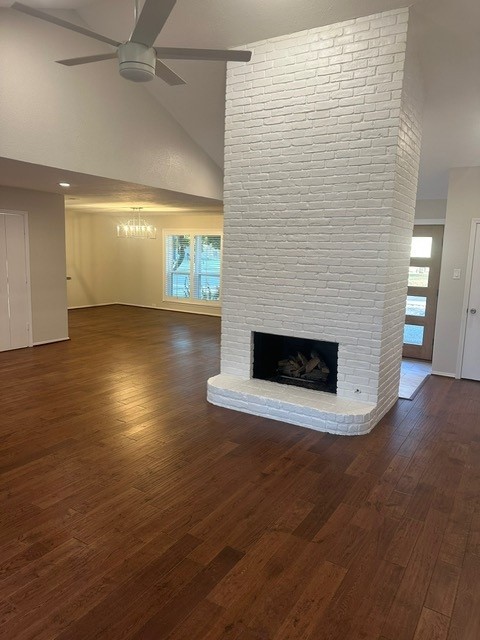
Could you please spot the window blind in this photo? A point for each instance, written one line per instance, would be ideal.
(178, 266)
(193, 266)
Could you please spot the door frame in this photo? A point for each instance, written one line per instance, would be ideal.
(10, 212)
(466, 296)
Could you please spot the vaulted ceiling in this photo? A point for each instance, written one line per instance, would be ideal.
(447, 33)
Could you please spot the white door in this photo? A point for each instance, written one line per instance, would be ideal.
(4, 309)
(14, 283)
(471, 349)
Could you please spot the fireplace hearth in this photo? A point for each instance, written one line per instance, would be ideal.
(301, 362)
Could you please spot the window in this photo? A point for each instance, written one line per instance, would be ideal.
(413, 334)
(421, 247)
(418, 276)
(416, 306)
(192, 266)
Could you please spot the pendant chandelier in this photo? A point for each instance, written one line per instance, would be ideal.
(136, 227)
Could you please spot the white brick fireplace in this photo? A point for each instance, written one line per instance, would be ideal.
(322, 152)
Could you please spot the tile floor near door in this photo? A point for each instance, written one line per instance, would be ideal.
(413, 375)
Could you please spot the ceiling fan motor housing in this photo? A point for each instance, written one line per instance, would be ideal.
(137, 62)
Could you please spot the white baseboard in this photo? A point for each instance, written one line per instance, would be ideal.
(146, 306)
(89, 306)
(140, 306)
(39, 344)
(442, 373)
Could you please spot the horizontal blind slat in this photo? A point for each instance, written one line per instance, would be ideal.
(207, 267)
(177, 266)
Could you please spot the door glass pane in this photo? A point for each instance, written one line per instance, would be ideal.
(421, 247)
(416, 306)
(413, 334)
(418, 276)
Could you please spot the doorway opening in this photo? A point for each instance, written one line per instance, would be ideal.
(421, 308)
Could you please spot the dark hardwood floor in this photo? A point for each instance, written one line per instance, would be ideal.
(133, 509)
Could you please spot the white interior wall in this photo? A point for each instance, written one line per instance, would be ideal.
(89, 119)
(141, 264)
(91, 250)
(430, 210)
(463, 205)
(106, 269)
(46, 225)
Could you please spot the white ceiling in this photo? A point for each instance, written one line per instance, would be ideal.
(94, 194)
(447, 33)
(199, 105)
(448, 36)
(51, 4)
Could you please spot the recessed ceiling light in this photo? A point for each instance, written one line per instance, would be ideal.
(64, 184)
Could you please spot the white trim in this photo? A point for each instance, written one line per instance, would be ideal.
(39, 344)
(29, 283)
(146, 306)
(190, 301)
(193, 301)
(443, 373)
(198, 313)
(466, 296)
(88, 306)
(140, 306)
(426, 221)
(26, 236)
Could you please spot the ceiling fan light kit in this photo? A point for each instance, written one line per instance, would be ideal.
(138, 60)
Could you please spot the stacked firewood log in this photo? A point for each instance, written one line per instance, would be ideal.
(301, 366)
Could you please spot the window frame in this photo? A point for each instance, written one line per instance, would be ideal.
(192, 233)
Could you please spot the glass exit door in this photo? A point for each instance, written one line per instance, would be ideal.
(423, 279)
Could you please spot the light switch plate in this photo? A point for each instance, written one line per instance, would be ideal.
(457, 274)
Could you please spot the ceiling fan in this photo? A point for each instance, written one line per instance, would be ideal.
(138, 60)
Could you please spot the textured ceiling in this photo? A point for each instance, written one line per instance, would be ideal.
(94, 194)
(51, 4)
(199, 105)
(447, 33)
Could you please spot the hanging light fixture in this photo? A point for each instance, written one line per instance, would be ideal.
(136, 227)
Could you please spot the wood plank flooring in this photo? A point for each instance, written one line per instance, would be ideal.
(131, 509)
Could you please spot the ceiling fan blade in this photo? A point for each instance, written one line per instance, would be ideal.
(166, 74)
(182, 53)
(152, 18)
(18, 6)
(72, 62)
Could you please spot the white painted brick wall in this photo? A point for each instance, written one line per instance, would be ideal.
(321, 162)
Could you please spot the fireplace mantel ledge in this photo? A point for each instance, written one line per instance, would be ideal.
(312, 409)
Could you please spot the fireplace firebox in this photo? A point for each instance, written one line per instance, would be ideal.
(301, 362)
